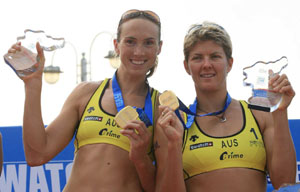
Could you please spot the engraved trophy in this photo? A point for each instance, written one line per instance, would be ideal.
(257, 77)
(25, 62)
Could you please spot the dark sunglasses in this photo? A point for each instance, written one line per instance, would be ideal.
(133, 13)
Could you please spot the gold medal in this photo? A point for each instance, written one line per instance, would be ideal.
(168, 98)
(125, 115)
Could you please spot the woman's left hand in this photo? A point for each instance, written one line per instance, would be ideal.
(281, 84)
(139, 137)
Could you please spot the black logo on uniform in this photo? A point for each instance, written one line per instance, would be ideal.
(91, 109)
(201, 145)
(106, 132)
(92, 118)
(194, 138)
(231, 155)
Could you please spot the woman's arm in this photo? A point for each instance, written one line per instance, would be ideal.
(139, 137)
(40, 144)
(168, 142)
(281, 156)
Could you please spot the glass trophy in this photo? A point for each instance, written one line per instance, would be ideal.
(25, 62)
(257, 77)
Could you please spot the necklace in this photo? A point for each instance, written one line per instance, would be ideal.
(222, 118)
(193, 110)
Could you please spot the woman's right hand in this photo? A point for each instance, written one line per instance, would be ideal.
(170, 124)
(39, 65)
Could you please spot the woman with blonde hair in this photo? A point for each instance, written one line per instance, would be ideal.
(227, 146)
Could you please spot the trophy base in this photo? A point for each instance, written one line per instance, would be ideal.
(264, 100)
(260, 108)
(263, 105)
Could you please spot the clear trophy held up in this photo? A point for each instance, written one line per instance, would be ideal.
(257, 77)
(25, 62)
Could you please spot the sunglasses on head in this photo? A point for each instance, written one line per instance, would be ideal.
(133, 13)
(198, 26)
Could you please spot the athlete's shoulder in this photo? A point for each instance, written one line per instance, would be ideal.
(87, 87)
(84, 90)
(261, 117)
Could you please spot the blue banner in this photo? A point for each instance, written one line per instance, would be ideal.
(17, 176)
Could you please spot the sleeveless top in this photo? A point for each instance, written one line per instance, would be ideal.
(203, 153)
(98, 126)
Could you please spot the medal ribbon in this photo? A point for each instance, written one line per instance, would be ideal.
(191, 111)
(144, 115)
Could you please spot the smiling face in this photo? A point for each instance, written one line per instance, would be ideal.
(208, 65)
(138, 46)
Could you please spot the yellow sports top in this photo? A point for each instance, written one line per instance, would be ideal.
(98, 126)
(203, 153)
